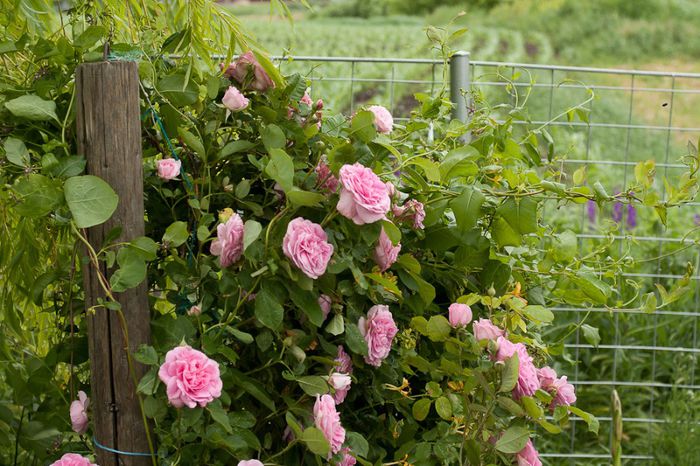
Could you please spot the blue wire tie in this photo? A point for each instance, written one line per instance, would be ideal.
(118, 452)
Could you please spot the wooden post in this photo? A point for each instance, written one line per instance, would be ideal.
(108, 128)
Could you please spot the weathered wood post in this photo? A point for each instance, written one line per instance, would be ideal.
(108, 128)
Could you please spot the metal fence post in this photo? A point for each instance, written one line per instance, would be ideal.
(460, 82)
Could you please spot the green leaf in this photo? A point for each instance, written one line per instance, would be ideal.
(219, 415)
(590, 419)
(307, 302)
(444, 408)
(268, 311)
(356, 342)
(504, 234)
(565, 246)
(176, 234)
(146, 355)
(315, 441)
(431, 169)
(89, 37)
(594, 288)
(438, 328)
(336, 326)
(281, 169)
(16, 152)
(273, 137)
(90, 199)
(300, 198)
(521, 214)
(149, 382)
(235, 147)
(313, 385)
(459, 163)
(392, 231)
(193, 142)
(145, 246)
(131, 271)
(178, 89)
(251, 231)
(241, 336)
(509, 374)
(513, 440)
(538, 314)
(421, 408)
(358, 444)
(591, 334)
(362, 126)
(32, 107)
(38, 195)
(467, 207)
(532, 409)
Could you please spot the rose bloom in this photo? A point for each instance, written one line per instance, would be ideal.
(485, 330)
(325, 178)
(306, 99)
(325, 302)
(307, 246)
(343, 362)
(415, 212)
(383, 120)
(341, 384)
(528, 456)
(250, 463)
(379, 331)
(246, 70)
(385, 253)
(327, 420)
(363, 196)
(72, 459)
(234, 100)
(194, 310)
(347, 459)
(460, 315)
(190, 377)
(563, 393)
(168, 168)
(528, 383)
(228, 244)
(78, 413)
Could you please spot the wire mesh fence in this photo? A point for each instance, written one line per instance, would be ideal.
(635, 116)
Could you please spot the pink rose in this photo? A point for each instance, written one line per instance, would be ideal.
(379, 331)
(346, 459)
(306, 244)
(228, 244)
(363, 196)
(249, 73)
(563, 393)
(327, 420)
(343, 362)
(325, 178)
(528, 383)
(325, 302)
(168, 168)
(412, 211)
(341, 384)
(385, 253)
(78, 413)
(306, 99)
(485, 330)
(234, 100)
(383, 120)
(190, 377)
(71, 459)
(460, 315)
(528, 456)
(194, 310)
(250, 463)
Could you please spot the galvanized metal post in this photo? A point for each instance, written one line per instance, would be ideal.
(460, 82)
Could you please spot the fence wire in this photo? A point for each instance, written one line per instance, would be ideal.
(636, 116)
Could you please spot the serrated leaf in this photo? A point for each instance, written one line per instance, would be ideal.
(509, 374)
(444, 408)
(421, 408)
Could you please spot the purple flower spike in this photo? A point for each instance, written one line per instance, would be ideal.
(631, 216)
(591, 211)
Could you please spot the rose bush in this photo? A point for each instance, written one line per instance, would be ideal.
(323, 287)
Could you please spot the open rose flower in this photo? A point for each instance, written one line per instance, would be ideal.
(78, 413)
(528, 383)
(234, 100)
(363, 196)
(341, 384)
(327, 420)
(168, 169)
(325, 302)
(485, 330)
(250, 463)
(379, 331)
(228, 244)
(459, 315)
(249, 73)
(563, 393)
(383, 120)
(190, 377)
(528, 456)
(346, 459)
(72, 459)
(343, 362)
(325, 178)
(307, 246)
(385, 253)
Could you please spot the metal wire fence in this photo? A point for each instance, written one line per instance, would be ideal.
(636, 116)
